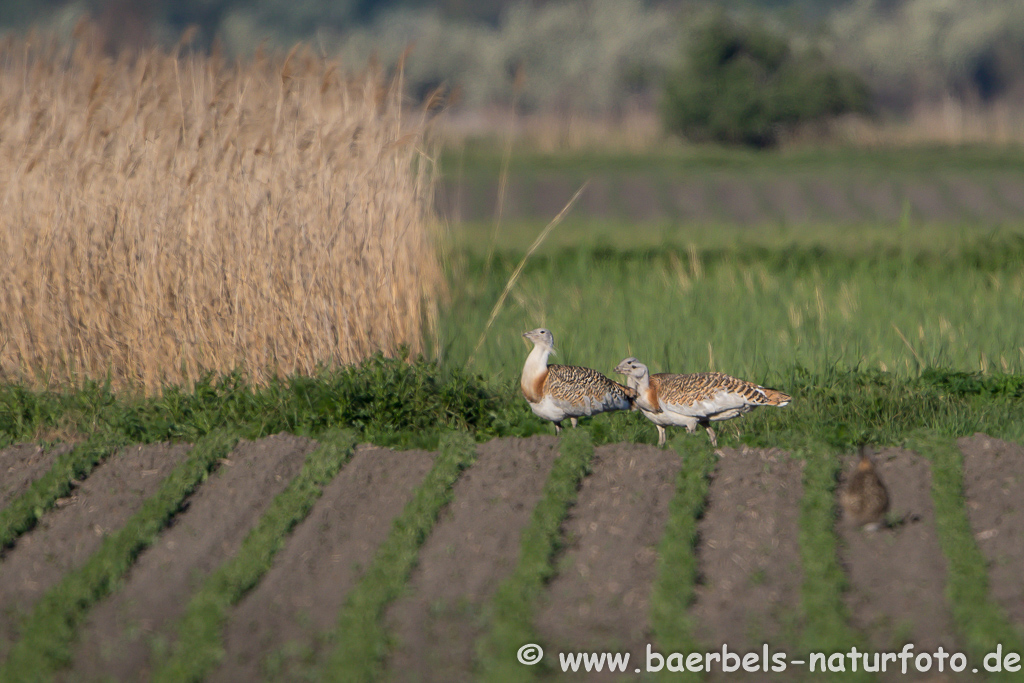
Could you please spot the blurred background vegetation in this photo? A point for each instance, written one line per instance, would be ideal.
(576, 72)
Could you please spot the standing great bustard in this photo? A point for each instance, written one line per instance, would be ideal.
(556, 392)
(688, 400)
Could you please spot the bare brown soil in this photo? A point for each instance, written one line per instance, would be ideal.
(994, 489)
(22, 464)
(302, 593)
(600, 598)
(749, 547)
(66, 536)
(897, 575)
(692, 201)
(976, 199)
(550, 195)
(640, 199)
(596, 199)
(787, 201)
(474, 546)
(879, 198)
(737, 199)
(833, 204)
(122, 629)
(1011, 192)
(927, 201)
(748, 591)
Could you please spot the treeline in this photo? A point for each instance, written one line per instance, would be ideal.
(606, 57)
(308, 15)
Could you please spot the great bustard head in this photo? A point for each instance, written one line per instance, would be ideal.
(632, 368)
(542, 337)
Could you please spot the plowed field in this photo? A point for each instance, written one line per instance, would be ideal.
(788, 198)
(748, 581)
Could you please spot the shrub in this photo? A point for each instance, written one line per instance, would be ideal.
(743, 85)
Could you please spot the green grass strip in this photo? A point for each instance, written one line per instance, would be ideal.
(826, 621)
(361, 640)
(49, 632)
(199, 645)
(24, 511)
(673, 592)
(514, 603)
(982, 623)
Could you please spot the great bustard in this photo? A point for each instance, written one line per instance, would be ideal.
(688, 400)
(865, 499)
(556, 392)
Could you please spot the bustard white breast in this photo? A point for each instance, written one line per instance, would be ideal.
(556, 392)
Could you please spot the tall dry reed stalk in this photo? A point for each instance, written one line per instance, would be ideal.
(948, 122)
(165, 215)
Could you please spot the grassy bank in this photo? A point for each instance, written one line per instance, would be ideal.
(838, 406)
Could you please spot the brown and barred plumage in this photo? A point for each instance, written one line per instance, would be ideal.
(584, 387)
(556, 392)
(700, 398)
(865, 499)
(702, 386)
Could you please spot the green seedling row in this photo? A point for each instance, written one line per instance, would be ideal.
(982, 623)
(361, 641)
(23, 512)
(48, 635)
(825, 619)
(512, 609)
(200, 633)
(673, 591)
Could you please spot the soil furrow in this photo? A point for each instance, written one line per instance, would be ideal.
(299, 598)
(749, 552)
(897, 575)
(22, 464)
(68, 534)
(692, 200)
(993, 491)
(638, 195)
(832, 201)
(928, 202)
(600, 597)
(473, 547)
(121, 631)
(974, 198)
(739, 202)
(878, 198)
(786, 201)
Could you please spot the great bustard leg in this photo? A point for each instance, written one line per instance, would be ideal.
(573, 421)
(661, 435)
(711, 435)
(558, 428)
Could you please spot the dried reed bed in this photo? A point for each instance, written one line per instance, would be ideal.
(949, 122)
(166, 215)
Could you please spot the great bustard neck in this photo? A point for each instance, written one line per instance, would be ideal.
(536, 363)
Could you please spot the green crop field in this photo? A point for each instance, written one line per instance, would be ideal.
(816, 309)
(751, 311)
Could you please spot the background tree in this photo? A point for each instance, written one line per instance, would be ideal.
(741, 84)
